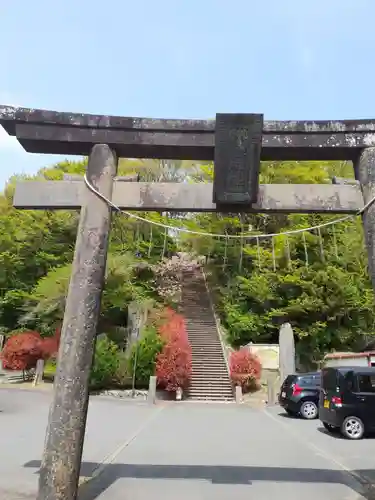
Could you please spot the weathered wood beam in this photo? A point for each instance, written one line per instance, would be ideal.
(181, 197)
(11, 114)
(42, 131)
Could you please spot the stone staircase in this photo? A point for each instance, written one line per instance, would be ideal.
(210, 379)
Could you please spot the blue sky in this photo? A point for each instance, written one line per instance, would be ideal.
(288, 59)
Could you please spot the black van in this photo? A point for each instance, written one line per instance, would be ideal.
(347, 400)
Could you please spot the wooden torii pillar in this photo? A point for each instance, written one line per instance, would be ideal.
(236, 143)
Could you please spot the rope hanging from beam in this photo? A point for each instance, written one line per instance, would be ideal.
(229, 236)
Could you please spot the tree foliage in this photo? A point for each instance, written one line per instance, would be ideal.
(320, 282)
(327, 297)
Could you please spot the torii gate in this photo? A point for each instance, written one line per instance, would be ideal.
(236, 143)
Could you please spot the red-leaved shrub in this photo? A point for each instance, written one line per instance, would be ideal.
(22, 351)
(174, 363)
(245, 369)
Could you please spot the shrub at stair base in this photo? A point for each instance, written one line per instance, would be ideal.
(145, 352)
(174, 363)
(22, 350)
(105, 366)
(245, 369)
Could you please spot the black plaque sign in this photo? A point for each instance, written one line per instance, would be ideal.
(238, 144)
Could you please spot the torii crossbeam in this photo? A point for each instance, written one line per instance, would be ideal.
(236, 143)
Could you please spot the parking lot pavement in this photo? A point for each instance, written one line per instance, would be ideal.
(358, 457)
(23, 417)
(220, 452)
(184, 451)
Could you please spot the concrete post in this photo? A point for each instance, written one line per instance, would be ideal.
(151, 396)
(238, 394)
(39, 371)
(271, 394)
(287, 353)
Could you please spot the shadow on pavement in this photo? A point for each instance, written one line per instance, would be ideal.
(335, 435)
(219, 474)
(287, 415)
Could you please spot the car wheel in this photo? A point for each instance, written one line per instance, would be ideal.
(331, 428)
(309, 410)
(353, 428)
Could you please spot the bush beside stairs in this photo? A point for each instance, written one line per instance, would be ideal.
(210, 378)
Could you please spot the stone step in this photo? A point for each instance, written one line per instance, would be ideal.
(196, 327)
(208, 352)
(210, 333)
(199, 347)
(210, 379)
(204, 336)
(203, 343)
(199, 321)
(203, 340)
(202, 329)
(206, 368)
(210, 395)
(203, 333)
(197, 315)
(210, 372)
(218, 399)
(210, 360)
(209, 369)
(202, 357)
(217, 379)
(211, 389)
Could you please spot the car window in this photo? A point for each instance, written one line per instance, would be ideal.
(366, 382)
(350, 382)
(307, 381)
(329, 380)
(289, 380)
(316, 380)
